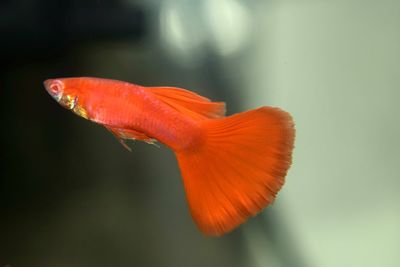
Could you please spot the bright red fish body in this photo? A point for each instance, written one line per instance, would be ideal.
(232, 167)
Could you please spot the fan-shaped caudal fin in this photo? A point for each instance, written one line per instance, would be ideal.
(189, 103)
(239, 168)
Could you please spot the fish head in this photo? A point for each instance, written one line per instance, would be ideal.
(65, 92)
(61, 93)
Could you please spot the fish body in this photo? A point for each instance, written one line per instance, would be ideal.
(124, 106)
(232, 167)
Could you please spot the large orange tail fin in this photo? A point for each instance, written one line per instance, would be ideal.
(238, 169)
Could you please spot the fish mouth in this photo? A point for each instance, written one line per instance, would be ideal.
(47, 83)
(55, 88)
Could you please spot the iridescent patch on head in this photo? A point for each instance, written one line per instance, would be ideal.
(68, 101)
(80, 111)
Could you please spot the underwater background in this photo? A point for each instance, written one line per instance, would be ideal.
(71, 195)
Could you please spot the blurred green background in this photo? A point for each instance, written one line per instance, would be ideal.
(71, 195)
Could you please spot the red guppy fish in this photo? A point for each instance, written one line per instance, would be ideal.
(232, 167)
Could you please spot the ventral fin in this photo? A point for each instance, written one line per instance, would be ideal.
(128, 134)
(189, 103)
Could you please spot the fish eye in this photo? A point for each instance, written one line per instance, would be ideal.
(56, 87)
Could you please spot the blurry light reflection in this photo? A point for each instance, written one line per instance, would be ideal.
(229, 23)
(189, 28)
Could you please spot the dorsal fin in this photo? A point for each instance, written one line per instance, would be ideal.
(189, 103)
